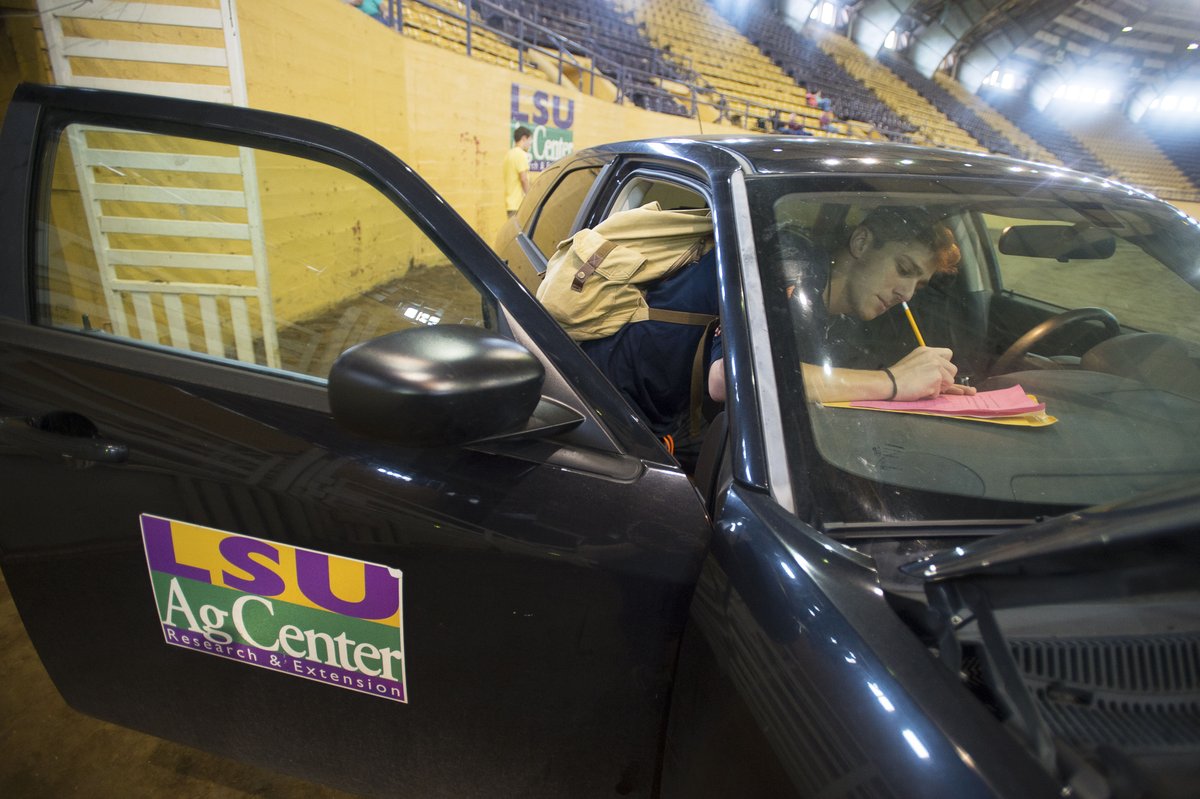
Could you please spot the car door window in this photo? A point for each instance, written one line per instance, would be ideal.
(670, 194)
(559, 211)
(238, 254)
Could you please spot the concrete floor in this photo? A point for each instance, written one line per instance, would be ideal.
(49, 750)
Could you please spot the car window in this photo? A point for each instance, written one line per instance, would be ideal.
(553, 223)
(244, 255)
(1086, 303)
(540, 184)
(669, 194)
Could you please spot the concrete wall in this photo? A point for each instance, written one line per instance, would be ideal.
(1191, 209)
(445, 114)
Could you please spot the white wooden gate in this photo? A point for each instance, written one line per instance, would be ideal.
(180, 260)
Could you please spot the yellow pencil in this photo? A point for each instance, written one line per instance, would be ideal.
(913, 322)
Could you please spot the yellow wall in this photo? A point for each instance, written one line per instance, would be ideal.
(1191, 209)
(445, 114)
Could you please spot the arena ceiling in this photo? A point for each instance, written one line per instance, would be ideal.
(1139, 43)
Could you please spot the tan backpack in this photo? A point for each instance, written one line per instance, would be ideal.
(593, 283)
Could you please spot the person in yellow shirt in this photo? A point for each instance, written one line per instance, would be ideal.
(516, 170)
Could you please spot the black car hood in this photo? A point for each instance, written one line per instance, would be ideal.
(1160, 528)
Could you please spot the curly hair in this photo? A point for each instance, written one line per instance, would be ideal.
(916, 224)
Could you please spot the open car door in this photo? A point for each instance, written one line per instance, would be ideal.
(198, 551)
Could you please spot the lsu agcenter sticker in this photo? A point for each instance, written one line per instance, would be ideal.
(321, 617)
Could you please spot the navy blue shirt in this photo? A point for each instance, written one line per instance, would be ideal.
(651, 362)
(821, 337)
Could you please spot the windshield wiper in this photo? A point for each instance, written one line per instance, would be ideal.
(1078, 541)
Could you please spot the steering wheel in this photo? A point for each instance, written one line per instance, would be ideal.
(1021, 347)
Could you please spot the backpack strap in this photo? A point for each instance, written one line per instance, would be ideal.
(592, 265)
(680, 317)
(699, 382)
(708, 322)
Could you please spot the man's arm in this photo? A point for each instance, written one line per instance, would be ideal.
(716, 380)
(924, 372)
(525, 181)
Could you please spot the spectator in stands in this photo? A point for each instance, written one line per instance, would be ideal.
(795, 126)
(826, 122)
(516, 170)
(722, 109)
(372, 8)
(776, 122)
(823, 103)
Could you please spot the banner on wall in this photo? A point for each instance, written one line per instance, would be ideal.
(550, 118)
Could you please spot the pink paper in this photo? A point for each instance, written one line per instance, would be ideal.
(1003, 402)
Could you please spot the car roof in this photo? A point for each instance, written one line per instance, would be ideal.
(774, 154)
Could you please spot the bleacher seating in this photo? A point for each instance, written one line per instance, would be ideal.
(948, 104)
(1177, 140)
(1043, 130)
(442, 23)
(746, 86)
(811, 67)
(683, 57)
(933, 126)
(1125, 150)
(1026, 146)
(604, 31)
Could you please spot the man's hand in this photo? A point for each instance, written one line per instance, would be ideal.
(926, 372)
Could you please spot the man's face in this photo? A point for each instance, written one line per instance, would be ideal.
(525, 143)
(881, 277)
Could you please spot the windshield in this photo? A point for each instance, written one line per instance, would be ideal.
(1081, 300)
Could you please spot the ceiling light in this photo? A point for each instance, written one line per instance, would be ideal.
(1127, 29)
(1193, 45)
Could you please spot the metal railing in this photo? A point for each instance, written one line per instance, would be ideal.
(529, 36)
(589, 64)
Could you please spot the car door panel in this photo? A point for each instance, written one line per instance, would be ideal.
(541, 605)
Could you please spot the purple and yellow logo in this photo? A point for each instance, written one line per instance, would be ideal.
(322, 617)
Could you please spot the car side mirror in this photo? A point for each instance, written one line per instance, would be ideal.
(437, 386)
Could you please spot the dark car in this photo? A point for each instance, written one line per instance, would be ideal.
(297, 470)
